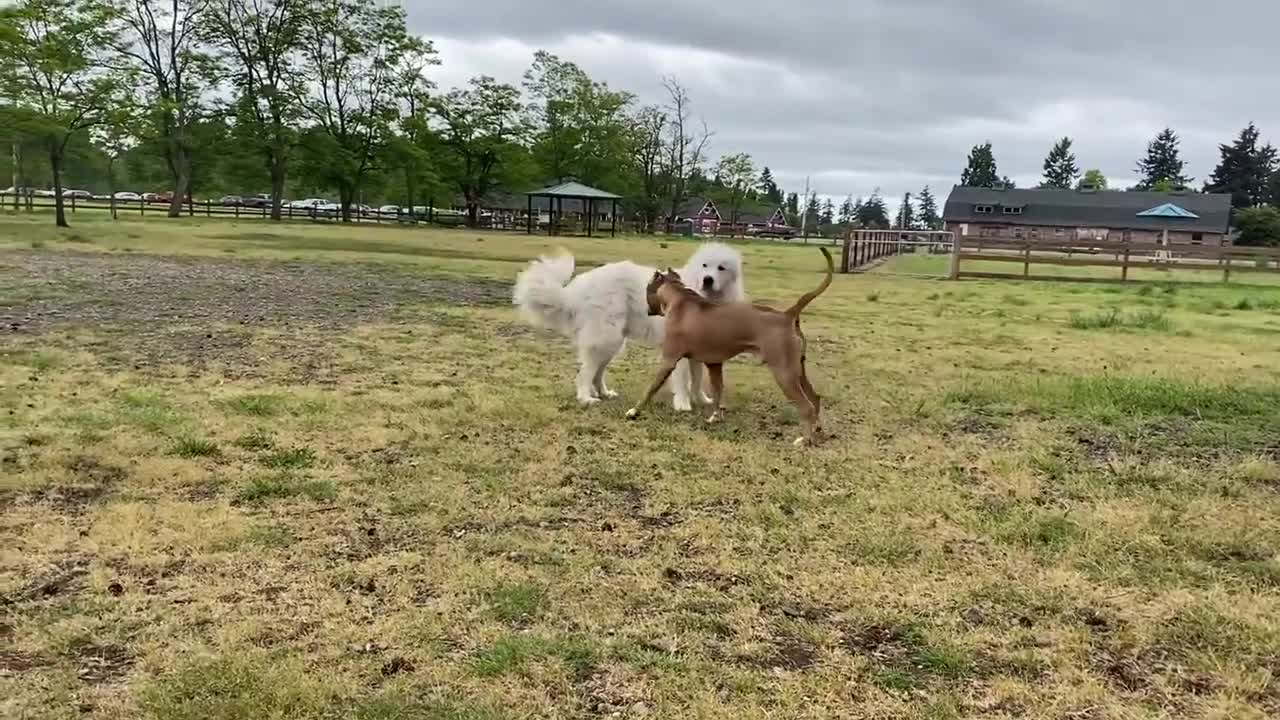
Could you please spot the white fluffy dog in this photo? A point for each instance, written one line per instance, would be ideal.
(603, 308)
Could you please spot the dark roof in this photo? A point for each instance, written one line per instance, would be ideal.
(499, 200)
(574, 190)
(1107, 209)
(694, 207)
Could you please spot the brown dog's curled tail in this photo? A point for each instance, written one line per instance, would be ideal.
(795, 310)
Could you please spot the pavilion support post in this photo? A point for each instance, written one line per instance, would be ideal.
(613, 217)
(591, 214)
(528, 219)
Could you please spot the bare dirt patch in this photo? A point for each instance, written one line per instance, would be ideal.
(193, 310)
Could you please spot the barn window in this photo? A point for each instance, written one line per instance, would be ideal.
(982, 209)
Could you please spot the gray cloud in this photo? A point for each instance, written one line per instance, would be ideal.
(893, 93)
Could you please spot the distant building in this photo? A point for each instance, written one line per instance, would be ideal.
(706, 218)
(1177, 218)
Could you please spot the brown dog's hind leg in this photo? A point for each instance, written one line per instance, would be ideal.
(813, 396)
(715, 373)
(664, 372)
(789, 380)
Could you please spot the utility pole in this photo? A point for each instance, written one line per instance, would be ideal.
(804, 211)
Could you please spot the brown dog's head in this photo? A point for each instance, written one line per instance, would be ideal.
(658, 292)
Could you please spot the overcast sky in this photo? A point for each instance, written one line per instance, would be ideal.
(893, 93)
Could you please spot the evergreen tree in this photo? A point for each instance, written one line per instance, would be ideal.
(769, 190)
(873, 214)
(1245, 170)
(792, 208)
(811, 209)
(828, 215)
(906, 214)
(1162, 163)
(929, 218)
(846, 210)
(1007, 183)
(981, 171)
(1060, 169)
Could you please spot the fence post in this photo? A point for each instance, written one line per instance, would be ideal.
(956, 245)
(1026, 262)
(1226, 267)
(208, 208)
(1124, 269)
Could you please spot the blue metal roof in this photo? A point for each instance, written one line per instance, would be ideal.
(1169, 210)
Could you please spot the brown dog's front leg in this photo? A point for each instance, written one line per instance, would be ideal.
(668, 366)
(715, 373)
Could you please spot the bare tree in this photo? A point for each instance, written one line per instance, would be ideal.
(160, 39)
(260, 40)
(685, 149)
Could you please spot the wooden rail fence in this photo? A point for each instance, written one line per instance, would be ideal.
(1120, 256)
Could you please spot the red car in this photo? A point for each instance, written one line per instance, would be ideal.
(163, 198)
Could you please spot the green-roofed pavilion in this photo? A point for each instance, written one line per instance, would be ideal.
(589, 196)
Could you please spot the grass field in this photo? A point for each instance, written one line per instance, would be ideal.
(308, 471)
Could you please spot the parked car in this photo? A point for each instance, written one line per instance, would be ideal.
(77, 194)
(389, 210)
(127, 196)
(307, 203)
(257, 201)
(231, 201)
(328, 209)
(163, 198)
(43, 193)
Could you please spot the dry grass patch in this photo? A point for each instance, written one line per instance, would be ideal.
(403, 513)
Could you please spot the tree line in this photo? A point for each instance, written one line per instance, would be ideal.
(333, 96)
(1248, 170)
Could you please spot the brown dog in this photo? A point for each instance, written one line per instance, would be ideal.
(713, 333)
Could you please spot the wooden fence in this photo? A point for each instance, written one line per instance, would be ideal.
(862, 247)
(1122, 257)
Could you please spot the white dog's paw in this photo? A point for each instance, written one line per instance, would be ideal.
(706, 400)
(715, 418)
(801, 441)
(633, 413)
(682, 404)
(588, 400)
(609, 394)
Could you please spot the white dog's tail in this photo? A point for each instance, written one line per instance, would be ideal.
(540, 293)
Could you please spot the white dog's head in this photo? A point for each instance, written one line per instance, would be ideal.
(715, 271)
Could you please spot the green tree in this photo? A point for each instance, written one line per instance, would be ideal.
(793, 208)
(738, 174)
(581, 127)
(52, 71)
(812, 211)
(929, 217)
(159, 40)
(1258, 226)
(482, 131)
(846, 211)
(353, 53)
(981, 170)
(259, 43)
(1093, 179)
(828, 214)
(1162, 163)
(906, 214)
(1245, 170)
(873, 214)
(1060, 169)
(769, 189)
(646, 133)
